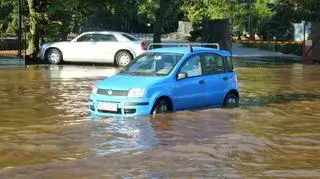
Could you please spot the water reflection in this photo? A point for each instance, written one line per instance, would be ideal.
(76, 72)
(121, 135)
(46, 131)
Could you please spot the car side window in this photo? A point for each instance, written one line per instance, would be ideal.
(87, 38)
(230, 64)
(106, 38)
(129, 37)
(192, 67)
(213, 64)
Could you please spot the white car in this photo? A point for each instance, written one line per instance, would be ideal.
(98, 47)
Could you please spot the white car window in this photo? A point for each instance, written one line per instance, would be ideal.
(106, 38)
(87, 38)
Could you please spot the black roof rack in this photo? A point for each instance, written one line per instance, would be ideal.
(189, 45)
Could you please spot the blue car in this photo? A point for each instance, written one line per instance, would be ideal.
(167, 80)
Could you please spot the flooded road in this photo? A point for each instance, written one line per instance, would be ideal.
(46, 132)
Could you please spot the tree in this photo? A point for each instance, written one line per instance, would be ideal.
(286, 12)
(159, 20)
(163, 14)
(34, 19)
(261, 13)
(236, 10)
(306, 10)
(197, 10)
(239, 16)
(7, 21)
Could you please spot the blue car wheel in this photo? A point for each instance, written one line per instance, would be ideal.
(161, 106)
(231, 101)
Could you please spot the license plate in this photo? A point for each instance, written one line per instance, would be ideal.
(107, 106)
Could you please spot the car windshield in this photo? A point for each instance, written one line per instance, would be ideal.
(153, 63)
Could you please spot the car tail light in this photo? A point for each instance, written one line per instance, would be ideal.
(143, 46)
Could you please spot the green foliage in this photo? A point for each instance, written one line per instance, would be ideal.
(197, 10)
(8, 14)
(237, 10)
(239, 16)
(149, 8)
(306, 9)
(290, 49)
(286, 12)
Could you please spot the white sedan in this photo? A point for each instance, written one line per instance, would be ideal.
(98, 47)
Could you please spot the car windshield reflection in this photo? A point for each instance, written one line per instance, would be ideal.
(156, 64)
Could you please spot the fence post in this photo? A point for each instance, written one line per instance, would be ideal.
(274, 41)
(20, 28)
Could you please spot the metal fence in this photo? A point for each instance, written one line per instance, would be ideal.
(116, 24)
(137, 27)
(10, 46)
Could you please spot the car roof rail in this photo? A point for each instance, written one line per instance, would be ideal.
(189, 45)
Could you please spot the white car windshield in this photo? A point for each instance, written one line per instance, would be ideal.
(153, 63)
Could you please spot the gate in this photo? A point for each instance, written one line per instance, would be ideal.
(13, 44)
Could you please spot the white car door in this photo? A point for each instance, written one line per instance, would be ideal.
(82, 49)
(106, 47)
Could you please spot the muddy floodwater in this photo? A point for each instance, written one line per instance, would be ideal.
(46, 131)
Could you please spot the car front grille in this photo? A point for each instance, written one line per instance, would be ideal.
(109, 92)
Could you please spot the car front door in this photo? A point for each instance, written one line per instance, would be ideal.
(189, 92)
(82, 49)
(215, 77)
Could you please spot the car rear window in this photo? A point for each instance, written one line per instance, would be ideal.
(131, 38)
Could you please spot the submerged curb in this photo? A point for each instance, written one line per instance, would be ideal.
(12, 61)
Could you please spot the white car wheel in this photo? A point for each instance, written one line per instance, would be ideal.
(123, 58)
(54, 56)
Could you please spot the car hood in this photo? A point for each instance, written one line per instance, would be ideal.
(125, 82)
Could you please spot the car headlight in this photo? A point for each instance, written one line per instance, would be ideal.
(136, 93)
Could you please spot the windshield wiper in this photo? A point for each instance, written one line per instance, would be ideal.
(124, 73)
(139, 73)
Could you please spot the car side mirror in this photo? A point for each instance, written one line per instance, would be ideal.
(182, 76)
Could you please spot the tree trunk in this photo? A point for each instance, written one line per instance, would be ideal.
(160, 19)
(33, 41)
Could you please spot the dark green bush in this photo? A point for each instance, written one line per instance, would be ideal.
(291, 49)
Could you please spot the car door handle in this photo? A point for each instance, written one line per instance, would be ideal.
(225, 78)
(201, 81)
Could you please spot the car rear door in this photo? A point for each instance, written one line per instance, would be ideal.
(190, 91)
(106, 47)
(215, 78)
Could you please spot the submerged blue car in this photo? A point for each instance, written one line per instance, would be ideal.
(167, 80)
